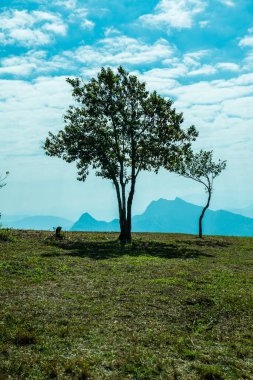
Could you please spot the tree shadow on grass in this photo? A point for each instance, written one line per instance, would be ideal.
(207, 242)
(101, 250)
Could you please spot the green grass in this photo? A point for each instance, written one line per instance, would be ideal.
(165, 307)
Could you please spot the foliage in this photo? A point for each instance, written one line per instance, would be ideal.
(201, 168)
(171, 307)
(119, 129)
(2, 179)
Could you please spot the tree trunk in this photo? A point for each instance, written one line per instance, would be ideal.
(129, 212)
(129, 227)
(123, 219)
(122, 213)
(123, 228)
(203, 213)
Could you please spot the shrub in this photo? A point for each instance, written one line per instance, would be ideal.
(6, 234)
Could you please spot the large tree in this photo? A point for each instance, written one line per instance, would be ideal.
(119, 129)
(203, 169)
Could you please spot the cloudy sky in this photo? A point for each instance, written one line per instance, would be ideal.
(197, 52)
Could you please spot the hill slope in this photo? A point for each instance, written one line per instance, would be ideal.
(248, 211)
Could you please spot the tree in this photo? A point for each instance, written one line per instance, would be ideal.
(201, 168)
(119, 129)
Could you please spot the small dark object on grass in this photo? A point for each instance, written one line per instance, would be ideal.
(58, 234)
(24, 338)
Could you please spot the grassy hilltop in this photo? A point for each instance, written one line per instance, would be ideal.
(166, 307)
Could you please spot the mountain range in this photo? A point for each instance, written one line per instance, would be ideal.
(175, 216)
(40, 222)
(160, 216)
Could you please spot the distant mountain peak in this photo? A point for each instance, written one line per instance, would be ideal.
(163, 204)
(164, 200)
(86, 222)
(86, 215)
(177, 199)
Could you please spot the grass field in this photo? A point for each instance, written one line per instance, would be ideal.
(165, 307)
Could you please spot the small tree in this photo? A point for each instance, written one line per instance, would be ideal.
(119, 129)
(201, 168)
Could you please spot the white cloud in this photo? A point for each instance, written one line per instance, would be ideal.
(80, 15)
(121, 49)
(16, 66)
(28, 37)
(33, 62)
(30, 28)
(228, 66)
(69, 4)
(111, 31)
(161, 80)
(182, 67)
(193, 59)
(175, 14)
(112, 51)
(240, 108)
(204, 23)
(177, 71)
(229, 3)
(216, 91)
(246, 41)
(248, 61)
(203, 70)
(56, 28)
(87, 24)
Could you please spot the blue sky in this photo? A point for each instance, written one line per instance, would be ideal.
(197, 52)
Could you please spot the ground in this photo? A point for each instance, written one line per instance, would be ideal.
(165, 307)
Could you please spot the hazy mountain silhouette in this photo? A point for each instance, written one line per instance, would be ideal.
(37, 222)
(175, 216)
(8, 220)
(247, 211)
